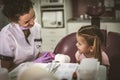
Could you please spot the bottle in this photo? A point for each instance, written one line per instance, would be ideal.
(81, 16)
(74, 76)
(4, 74)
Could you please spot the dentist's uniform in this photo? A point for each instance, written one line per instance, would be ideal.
(14, 44)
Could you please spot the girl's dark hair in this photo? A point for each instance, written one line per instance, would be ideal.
(94, 37)
(13, 9)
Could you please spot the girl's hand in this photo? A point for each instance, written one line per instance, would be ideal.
(77, 57)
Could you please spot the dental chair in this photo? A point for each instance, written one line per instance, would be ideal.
(67, 46)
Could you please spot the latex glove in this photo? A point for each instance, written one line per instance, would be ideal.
(45, 57)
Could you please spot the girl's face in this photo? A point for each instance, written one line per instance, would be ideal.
(27, 20)
(82, 45)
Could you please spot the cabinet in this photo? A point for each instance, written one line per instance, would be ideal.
(51, 34)
(111, 6)
(74, 26)
(109, 26)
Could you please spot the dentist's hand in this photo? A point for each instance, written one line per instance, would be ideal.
(45, 57)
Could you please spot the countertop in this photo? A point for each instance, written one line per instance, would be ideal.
(89, 20)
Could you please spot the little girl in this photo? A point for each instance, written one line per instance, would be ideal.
(89, 40)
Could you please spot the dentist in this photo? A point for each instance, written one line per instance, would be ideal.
(20, 40)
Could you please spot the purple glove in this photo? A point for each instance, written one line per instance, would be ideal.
(45, 57)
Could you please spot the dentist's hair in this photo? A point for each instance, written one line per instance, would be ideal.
(13, 9)
(94, 37)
